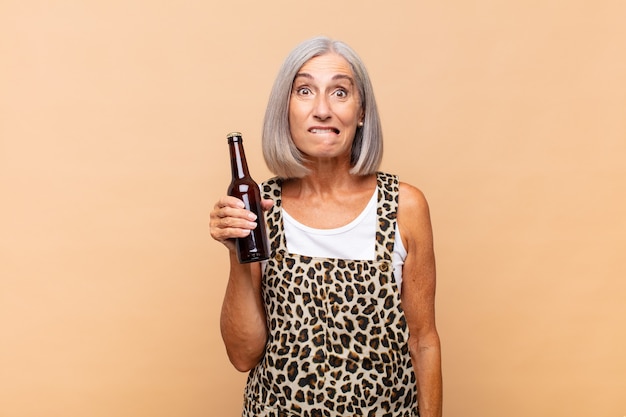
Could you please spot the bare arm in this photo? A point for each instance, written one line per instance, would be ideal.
(418, 298)
(242, 321)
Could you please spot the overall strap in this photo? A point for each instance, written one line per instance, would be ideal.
(272, 189)
(387, 213)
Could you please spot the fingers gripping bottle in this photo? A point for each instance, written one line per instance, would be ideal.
(254, 247)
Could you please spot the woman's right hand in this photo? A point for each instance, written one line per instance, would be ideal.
(242, 321)
(229, 220)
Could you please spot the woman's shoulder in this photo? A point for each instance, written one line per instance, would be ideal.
(411, 194)
(412, 204)
(408, 193)
(413, 217)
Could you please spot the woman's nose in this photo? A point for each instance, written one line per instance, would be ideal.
(322, 109)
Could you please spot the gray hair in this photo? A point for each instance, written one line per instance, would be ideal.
(280, 153)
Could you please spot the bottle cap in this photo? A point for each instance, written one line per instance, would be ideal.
(233, 135)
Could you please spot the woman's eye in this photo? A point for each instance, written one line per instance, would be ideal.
(341, 93)
(304, 91)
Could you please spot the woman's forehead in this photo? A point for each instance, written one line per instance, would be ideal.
(330, 63)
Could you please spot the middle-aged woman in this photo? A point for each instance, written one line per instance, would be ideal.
(340, 321)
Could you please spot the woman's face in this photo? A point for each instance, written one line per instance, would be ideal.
(324, 108)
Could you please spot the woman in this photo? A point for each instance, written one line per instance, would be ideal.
(340, 320)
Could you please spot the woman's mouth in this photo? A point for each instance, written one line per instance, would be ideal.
(323, 130)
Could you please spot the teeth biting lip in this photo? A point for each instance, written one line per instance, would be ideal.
(324, 130)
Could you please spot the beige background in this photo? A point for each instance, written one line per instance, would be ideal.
(511, 116)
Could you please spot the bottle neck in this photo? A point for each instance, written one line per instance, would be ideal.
(238, 164)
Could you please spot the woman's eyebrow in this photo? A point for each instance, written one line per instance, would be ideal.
(335, 77)
(343, 77)
(303, 74)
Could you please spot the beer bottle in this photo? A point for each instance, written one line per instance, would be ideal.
(254, 247)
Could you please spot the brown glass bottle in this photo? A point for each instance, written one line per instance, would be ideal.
(254, 247)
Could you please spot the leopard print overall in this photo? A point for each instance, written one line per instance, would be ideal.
(337, 342)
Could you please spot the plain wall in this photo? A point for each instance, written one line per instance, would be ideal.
(510, 116)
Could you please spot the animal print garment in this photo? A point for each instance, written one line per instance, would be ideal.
(338, 338)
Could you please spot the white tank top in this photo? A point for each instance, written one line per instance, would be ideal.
(356, 240)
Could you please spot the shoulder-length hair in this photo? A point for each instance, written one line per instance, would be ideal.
(280, 153)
